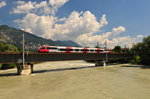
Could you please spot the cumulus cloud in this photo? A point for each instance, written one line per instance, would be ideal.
(38, 25)
(117, 31)
(56, 4)
(87, 39)
(20, 2)
(45, 7)
(139, 36)
(77, 24)
(2, 4)
(103, 20)
(110, 37)
(69, 29)
(81, 27)
(23, 7)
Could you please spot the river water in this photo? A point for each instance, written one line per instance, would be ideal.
(77, 80)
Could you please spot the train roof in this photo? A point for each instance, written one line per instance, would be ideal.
(69, 47)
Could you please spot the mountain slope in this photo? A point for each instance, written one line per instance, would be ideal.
(68, 43)
(14, 36)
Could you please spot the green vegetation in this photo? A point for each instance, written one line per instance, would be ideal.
(136, 60)
(142, 50)
(7, 48)
(118, 49)
(0, 65)
(7, 66)
(32, 42)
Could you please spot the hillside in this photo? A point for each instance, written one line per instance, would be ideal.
(14, 36)
(68, 43)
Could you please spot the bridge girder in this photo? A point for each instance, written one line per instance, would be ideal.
(43, 57)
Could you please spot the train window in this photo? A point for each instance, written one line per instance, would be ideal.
(66, 49)
(84, 50)
(43, 48)
(63, 49)
(69, 49)
(77, 50)
(51, 48)
(99, 50)
(92, 50)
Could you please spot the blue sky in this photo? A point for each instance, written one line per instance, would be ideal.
(133, 14)
(120, 19)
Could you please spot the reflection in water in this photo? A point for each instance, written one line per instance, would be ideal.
(77, 80)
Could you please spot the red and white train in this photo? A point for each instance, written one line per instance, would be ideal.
(51, 49)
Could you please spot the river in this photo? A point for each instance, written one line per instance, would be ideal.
(77, 80)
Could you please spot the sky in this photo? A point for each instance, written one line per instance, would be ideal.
(86, 22)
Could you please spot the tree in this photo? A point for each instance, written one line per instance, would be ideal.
(136, 60)
(117, 49)
(97, 46)
(7, 48)
(142, 49)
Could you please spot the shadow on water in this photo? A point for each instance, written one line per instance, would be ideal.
(72, 68)
(62, 69)
(50, 70)
(8, 74)
(138, 66)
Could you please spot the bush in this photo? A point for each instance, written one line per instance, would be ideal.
(117, 49)
(7, 66)
(136, 60)
(7, 48)
(142, 49)
(0, 65)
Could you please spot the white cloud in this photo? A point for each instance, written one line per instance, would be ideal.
(56, 4)
(69, 29)
(103, 20)
(121, 41)
(23, 7)
(77, 24)
(89, 40)
(81, 27)
(2, 4)
(20, 2)
(139, 36)
(117, 31)
(38, 25)
(111, 37)
(44, 7)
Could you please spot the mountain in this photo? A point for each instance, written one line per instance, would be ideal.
(68, 43)
(32, 42)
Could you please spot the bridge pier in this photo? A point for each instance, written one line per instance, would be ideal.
(100, 63)
(27, 69)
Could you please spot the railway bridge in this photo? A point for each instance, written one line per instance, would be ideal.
(25, 61)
